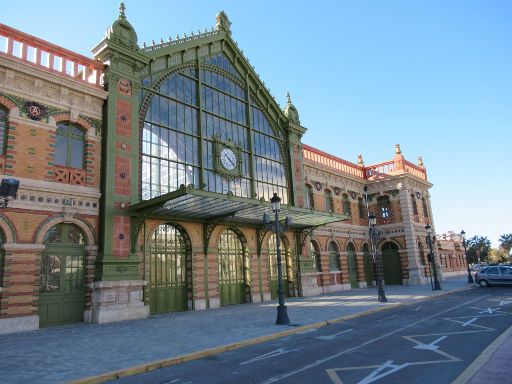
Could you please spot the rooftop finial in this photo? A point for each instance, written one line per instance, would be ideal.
(420, 161)
(121, 11)
(398, 151)
(360, 160)
(222, 22)
(288, 96)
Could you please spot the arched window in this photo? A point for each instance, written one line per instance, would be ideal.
(314, 252)
(182, 144)
(351, 247)
(384, 206)
(328, 203)
(346, 204)
(3, 129)
(69, 146)
(414, 205)
(425, 207)
(334, 257)
(308, 197)
(362, 208)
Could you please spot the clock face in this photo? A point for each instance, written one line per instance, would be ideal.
(228, 159)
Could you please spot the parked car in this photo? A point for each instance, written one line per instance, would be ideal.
(477, 267)
(495, 275)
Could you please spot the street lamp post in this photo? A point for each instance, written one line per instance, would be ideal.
(377, 265)
(437, 285)
(470, 278)
(277, 227)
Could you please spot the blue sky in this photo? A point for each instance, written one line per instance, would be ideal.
(433, 76)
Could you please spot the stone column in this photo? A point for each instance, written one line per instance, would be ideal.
(413, 253)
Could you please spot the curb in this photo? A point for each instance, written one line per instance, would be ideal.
(147, 367)
(483, 358)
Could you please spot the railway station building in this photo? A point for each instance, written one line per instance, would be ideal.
(145, 171)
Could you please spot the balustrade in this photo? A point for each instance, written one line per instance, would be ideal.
(49, 57)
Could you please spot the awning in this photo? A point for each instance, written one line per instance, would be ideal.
(189, 204)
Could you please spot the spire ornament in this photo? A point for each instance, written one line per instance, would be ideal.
(360, 161)
(420, 161)
(398, 151)
(122, 8)
(290, 111)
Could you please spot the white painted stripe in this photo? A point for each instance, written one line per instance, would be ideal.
(469, 321)
(371, 341)
(334, 335)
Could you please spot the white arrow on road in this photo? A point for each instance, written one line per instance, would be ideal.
(277, 352)
(432, 346)
(377, 374)
(334, 335)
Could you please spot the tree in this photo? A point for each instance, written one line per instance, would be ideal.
(506, 242)
(497, 256)
(478, 243)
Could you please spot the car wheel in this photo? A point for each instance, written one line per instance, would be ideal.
(483, 283)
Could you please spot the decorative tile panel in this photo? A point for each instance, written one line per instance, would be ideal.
(122, 183)
(124, 118)
(121, 239)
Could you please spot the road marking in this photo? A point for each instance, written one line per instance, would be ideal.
(432, 346)
(387, 318)
(469, 321)
(368, 342)
(417, 309)
(376, 375)
(488, 310)
(334, 335)
(268, 355)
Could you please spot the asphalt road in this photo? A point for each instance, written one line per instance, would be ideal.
(429, 342)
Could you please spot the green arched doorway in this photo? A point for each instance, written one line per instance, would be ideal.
(391, 264)
(167, 271)
(62, 277)
(368, 265)
(272, 257)
(231, 269)
(352, 265)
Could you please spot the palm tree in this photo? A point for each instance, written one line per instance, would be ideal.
(506, 242)
(478, 243)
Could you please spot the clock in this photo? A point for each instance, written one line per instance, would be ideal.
(228, 159)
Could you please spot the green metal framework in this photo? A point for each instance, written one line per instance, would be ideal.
(334, 257)
(3, 129)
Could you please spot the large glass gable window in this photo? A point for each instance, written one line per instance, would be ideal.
(190, 113)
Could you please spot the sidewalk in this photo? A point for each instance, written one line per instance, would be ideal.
(66, 353)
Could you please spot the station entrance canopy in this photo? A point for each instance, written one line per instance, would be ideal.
(188, 204)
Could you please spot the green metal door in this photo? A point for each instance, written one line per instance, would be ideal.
(352, 269)
(368, 266)
(231, 269)
(272, 256)
(352, 265)
(391, 264)
(167, 271)
(62, 280)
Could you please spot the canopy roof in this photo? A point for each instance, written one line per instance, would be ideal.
(189, 204)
